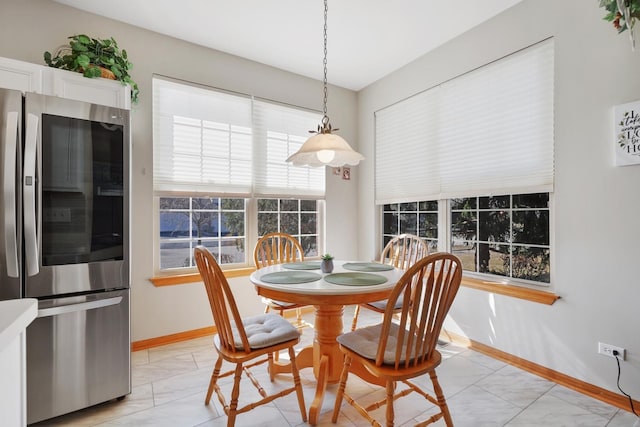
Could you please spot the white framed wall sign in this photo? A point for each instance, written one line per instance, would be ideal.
(627, 133)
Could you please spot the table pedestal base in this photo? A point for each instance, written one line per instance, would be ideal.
(325, 356)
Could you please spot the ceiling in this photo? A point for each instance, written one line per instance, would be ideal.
(367, 39)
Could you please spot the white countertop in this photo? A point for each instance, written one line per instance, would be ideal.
(15, 316)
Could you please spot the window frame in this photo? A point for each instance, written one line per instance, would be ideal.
(506, 279)
(319, 241)
(251, 233)
(445, 244)
(216, 211)
(432, 140)
(432, 242)
(265, 119)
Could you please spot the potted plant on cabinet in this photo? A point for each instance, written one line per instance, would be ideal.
(94, 57)
(326, 265)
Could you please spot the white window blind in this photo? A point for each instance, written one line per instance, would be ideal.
(214, 142)
(279, 131)
(488, 131)
(202, 140)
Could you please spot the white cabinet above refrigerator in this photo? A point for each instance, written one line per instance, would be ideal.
(28, 77)
(22, 76)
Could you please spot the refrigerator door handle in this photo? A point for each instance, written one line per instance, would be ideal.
(29, 191)
(10, 228)
(83, 306)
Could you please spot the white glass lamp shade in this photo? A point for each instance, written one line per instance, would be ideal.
(325, 149)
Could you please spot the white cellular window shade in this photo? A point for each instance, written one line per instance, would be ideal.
(279, 131)
(486, 132)
(202, 140)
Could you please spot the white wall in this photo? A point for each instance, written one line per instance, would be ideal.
(595, 208)
(29, 27)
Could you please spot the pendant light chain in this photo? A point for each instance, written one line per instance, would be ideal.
(325, 148)
(325, 126)
(326, 9)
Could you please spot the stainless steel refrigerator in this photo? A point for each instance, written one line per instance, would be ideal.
(64, 239)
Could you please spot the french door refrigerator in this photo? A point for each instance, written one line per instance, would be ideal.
(64, 239)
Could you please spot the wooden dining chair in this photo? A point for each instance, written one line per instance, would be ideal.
(401, 252)
(279, 248)
(399, 351)
(239, 340)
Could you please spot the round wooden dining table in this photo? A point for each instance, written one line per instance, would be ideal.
(351, 282)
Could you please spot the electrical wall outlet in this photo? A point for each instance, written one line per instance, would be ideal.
(607, 350)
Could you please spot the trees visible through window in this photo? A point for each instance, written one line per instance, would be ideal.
(418, 218)
(506, 235)
(296, 217)
(503, 235)
(186, 222)
(221, 225)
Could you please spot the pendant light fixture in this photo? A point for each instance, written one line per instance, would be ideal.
(325, 148)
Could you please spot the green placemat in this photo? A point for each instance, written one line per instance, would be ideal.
(367, 266)
(304, 265)
(355, 279)
(290, 277)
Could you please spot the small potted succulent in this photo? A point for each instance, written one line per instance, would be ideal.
(94, 57)
(327, 263)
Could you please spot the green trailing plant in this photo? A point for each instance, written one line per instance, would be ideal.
(616, 13)
(327, 257)
(94, 57)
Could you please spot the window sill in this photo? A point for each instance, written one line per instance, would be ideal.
(520, 292)
(183, 279)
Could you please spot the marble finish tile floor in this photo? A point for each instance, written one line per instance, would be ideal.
(169, 385)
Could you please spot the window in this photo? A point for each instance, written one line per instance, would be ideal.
(474, 155)
(221, 178)
(296, 217)
(503, 235)
(186, 222)
(419, 218)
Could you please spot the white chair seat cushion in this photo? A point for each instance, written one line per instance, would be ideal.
(266, 330)
(364, 341)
